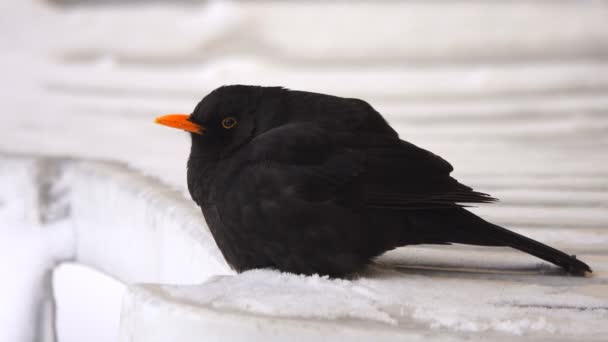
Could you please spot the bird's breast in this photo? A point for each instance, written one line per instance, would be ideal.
(201, 177)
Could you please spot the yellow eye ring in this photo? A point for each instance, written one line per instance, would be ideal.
(229, 122)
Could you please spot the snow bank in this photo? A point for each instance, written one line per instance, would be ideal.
(134, 228)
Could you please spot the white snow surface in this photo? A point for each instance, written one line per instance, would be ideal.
(89, 304)
(29, 255)
(512, 303)
(386, 296)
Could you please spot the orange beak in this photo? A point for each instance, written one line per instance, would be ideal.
(181, 121)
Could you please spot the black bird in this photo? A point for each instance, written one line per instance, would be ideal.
(312, 183)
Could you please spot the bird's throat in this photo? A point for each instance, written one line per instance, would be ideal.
(200, 176)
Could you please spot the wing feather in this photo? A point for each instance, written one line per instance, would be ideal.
(395, 174)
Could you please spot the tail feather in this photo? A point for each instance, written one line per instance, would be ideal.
(467, 228)
(568, 262)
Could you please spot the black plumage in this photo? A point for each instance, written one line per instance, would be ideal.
(311, 183)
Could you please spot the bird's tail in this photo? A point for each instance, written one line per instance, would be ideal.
(467, 228)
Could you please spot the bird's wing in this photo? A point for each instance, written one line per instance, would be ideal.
(394, 174)
(404, 176)
(301, 158)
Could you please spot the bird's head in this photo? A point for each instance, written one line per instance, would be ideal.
(228, 117)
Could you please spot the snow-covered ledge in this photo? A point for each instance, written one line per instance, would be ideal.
(137, 230)
(102, 215)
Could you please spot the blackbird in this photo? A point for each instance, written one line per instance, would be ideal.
(317, 184)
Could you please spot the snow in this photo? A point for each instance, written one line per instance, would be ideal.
(102, 215)
(30, 251)
(412, 301)
(515, 99)
(89, 304)
(135, 228)
(378, 297)
(281, 294)
(139, 230)
(29, 255)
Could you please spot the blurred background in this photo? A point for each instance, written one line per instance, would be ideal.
(463, 78)
(513, 93)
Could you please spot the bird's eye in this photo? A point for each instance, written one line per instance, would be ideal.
(229, 122)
